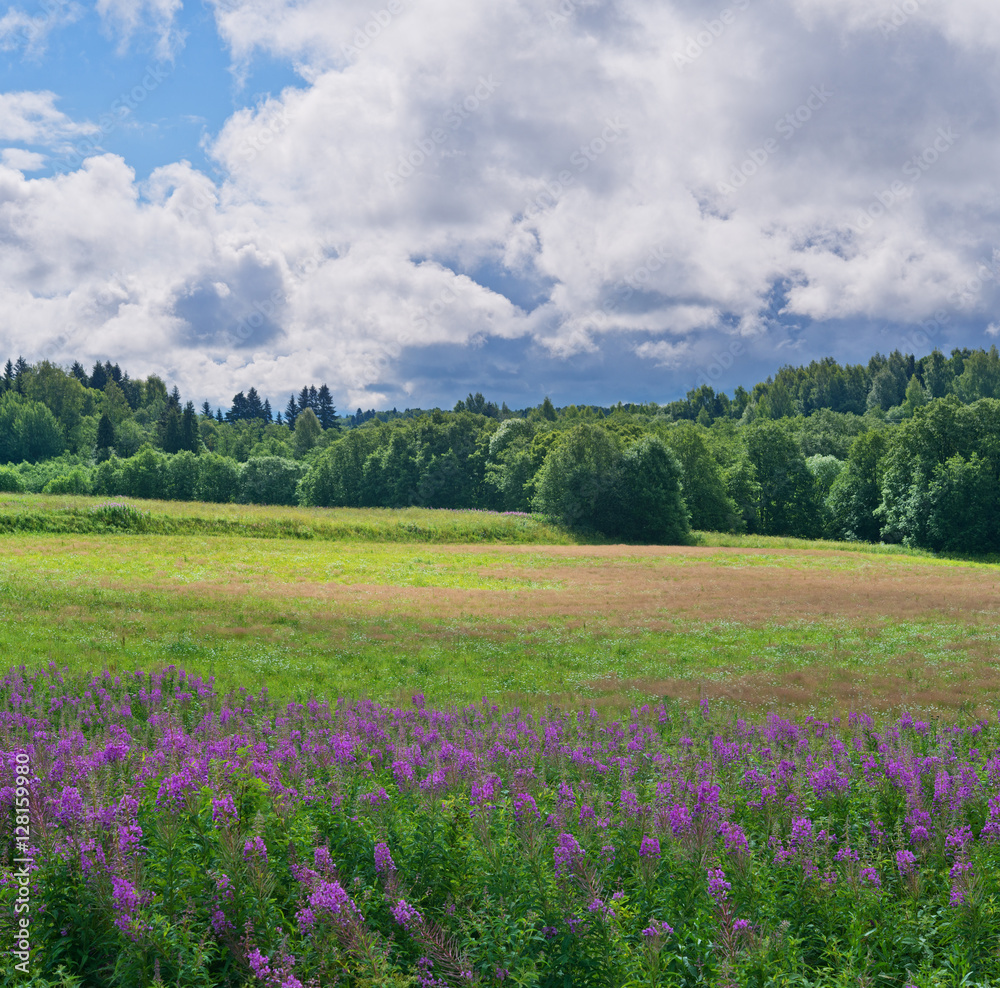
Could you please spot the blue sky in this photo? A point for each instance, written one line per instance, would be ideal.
(414, 199)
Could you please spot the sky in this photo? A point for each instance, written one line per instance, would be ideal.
(411, 200)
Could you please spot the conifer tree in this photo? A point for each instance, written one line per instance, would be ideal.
(189, 429)
(105, 437)
(268, 416)
(291, 410)
(206, 410)
(326, 411)
(98, 376)
(255, 410)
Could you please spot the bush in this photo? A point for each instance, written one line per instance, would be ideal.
(218, 479)
(270, 480)
(10, 481)
(77, 482)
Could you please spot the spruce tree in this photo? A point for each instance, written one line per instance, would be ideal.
(175, 398)
(105, 436)
(304, 399)
(79, 372)
(189, 429)
(268, 415)
(255, 410)
(98, 376)
(206, 410)
(239, 408)
(291, 410)
(172, 430)
(313, 398)
(326, 411)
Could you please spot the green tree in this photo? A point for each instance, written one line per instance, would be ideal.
(270, 480)
(649, 506)
(308, 432)
(145, 475)
(218, 479)
(856, 492)
(789, 502)
(711, 507)
(105, 437)
(577, 481)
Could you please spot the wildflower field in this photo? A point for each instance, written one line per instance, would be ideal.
(183, 837)
(476, 760)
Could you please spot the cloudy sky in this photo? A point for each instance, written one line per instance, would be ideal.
(414, 199)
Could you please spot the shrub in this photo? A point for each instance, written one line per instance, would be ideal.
(10, 481)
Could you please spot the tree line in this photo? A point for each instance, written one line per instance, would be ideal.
(910, 454)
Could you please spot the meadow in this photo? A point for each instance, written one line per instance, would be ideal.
(260, 748)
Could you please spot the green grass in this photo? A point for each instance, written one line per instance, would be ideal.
(384, 615)
(72, 514)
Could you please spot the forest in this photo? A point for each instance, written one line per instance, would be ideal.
(900, 450)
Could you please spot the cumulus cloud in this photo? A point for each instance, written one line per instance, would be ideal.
(565, 173)
(32, 118)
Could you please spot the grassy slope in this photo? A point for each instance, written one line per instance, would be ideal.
(375, 614)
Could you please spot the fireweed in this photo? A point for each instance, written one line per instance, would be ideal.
(208, 840)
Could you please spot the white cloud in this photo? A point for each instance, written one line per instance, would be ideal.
(127, 18)
(437, 148)
(23, 161)
(32, 118)
(29, 31)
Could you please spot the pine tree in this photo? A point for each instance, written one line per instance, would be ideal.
(218, 415)
(206, 410)
(189, 429)
(79, 372)
(7, 382)
(175, 398)
(304, 399)
(21, 368)
(278, 419)
(291, 410)
(326, 411)
(313, 398)
(98, 376)
(268, 416)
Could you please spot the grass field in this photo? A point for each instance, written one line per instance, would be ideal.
(459, 605)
